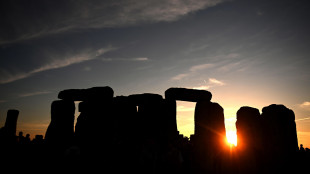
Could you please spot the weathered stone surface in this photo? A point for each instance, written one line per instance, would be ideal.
(192, 95)
(94, 93)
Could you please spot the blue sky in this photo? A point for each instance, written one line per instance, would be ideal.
(247, 53)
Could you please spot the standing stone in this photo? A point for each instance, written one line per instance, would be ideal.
(210, 135)
(210, 123)
(169, 117)
(280, 139)
(150, 107)
(11, 122)
(249, 128)
(125, 113)
(249, 139)
(280, 129)
(60, 131)
(94, 125)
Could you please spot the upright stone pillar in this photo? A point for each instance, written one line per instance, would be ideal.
(280, 129)
(210, 135)
(150, 110)
(60, 131)
(125, 123)
(249, 137)
(280, 138)
(249, 128)
(169, 129)
(11, 122)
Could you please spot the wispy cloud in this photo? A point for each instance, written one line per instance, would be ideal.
(302, 119)
(30, 23)
(7, 77)
(2, 101)
(137, 59)
(305, 105)
(140, 59)
(200, 67)
(213, 81)
(34, 93)
(179, 76)
(192, 70)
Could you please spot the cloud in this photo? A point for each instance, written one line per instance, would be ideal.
(305, 105)
(302, 119)
(200, 67)
(138, 59)
(7, 77)
(216, 82)
(2, 101)
(23, 21)
(192, 70)
(87, 68)
(34, 93)
(179, 76)
(212, 82)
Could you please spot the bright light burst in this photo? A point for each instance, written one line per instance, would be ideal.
(231, 137)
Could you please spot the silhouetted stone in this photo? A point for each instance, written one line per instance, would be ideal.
(61, 128)
(11, 122)
(169, 119)
(150, 110)
(249, 128)
(209, 122)
(125, 114)
(279, 128)
(192, 95)
(146, 98)
(249, 143)
(94, 93)
(210, 135)
(94, 130)
(279, 139)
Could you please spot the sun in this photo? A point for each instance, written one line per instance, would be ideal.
(231, 138)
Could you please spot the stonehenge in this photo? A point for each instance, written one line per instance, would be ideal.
(139, 132)
(111, 126)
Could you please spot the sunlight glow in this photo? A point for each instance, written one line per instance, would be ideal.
(231, 138)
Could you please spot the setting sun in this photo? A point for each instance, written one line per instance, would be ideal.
(231, 137)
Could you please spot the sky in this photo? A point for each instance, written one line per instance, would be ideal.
(246, 53)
